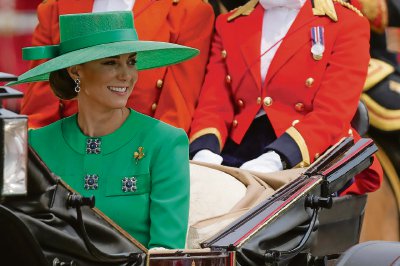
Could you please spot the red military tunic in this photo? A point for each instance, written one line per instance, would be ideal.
(168, 93)
(311, 102)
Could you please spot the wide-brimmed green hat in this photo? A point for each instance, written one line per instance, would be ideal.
(90, 36)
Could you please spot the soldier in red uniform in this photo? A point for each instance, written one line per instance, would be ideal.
(283, 83)
(168, 93)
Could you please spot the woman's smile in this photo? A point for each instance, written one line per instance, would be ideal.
(119, 90)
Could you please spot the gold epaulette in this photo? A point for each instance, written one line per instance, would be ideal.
(377, 71)
(381, 116)
(376, 11)
(325, 8)
(349, 6)
(244, 10)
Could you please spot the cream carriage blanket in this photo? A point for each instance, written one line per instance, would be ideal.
(221, 194)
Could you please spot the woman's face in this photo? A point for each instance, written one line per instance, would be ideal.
(107, 82)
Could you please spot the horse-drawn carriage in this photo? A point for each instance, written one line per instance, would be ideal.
(291, 217)
(287, 218)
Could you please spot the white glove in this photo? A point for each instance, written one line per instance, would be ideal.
(157, 249)
(265, 163)
(207, 156)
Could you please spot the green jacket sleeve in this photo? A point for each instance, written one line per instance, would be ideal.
(170, 192)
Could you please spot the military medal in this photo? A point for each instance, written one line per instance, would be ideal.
(318, 47)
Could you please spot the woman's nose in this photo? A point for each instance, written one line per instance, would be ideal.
(125, 72)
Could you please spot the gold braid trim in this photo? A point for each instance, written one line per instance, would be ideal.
(301, 143)
(349, 6)
(377, 71)
(205, 131)
(381, 117)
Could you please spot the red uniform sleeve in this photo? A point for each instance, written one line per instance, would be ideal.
(182, 82)
(39, 102)
(215, 106)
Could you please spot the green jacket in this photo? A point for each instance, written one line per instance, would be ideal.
(156, 212)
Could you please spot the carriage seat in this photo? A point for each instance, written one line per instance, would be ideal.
(382, 253)
(221, 194)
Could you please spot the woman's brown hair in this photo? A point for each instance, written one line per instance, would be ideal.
(62, 84)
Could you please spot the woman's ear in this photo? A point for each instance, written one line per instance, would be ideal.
(73, 72)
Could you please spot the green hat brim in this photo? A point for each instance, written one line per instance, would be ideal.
(149, 55)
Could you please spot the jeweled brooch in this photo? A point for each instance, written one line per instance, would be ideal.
(139, 154)
(91, 182)
(93, 146)
(129, 184)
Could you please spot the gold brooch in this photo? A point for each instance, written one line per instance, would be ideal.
(139, 154)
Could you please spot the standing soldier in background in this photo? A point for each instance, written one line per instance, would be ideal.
(169, 93)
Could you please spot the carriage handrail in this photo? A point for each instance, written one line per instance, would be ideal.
(341, 162)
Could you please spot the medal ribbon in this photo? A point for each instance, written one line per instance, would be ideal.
(317, 35)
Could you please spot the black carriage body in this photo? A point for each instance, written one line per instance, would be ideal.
(278, 231)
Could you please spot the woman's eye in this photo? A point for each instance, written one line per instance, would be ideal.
(132, 62)
(109, 63)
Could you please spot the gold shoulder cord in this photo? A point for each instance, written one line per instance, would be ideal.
(326, 8)
(349, 6)
(244, 10)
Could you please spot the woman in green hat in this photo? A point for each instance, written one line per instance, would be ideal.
(136, 167)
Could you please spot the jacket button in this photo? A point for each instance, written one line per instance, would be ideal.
(267, 101)
(228, 79)
(235, 123)
(299, 107)
(159, 83)
(223, 54)
(295, 122)
(316, 156)
(350, 132)
(240, 103)
(175, 2)
(309, 82)
(153, 107)
(258, 100)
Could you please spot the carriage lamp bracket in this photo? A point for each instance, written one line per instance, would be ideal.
(75, 200)
(316, 202)
(274, 256)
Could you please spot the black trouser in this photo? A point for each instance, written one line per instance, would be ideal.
(259, 135)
